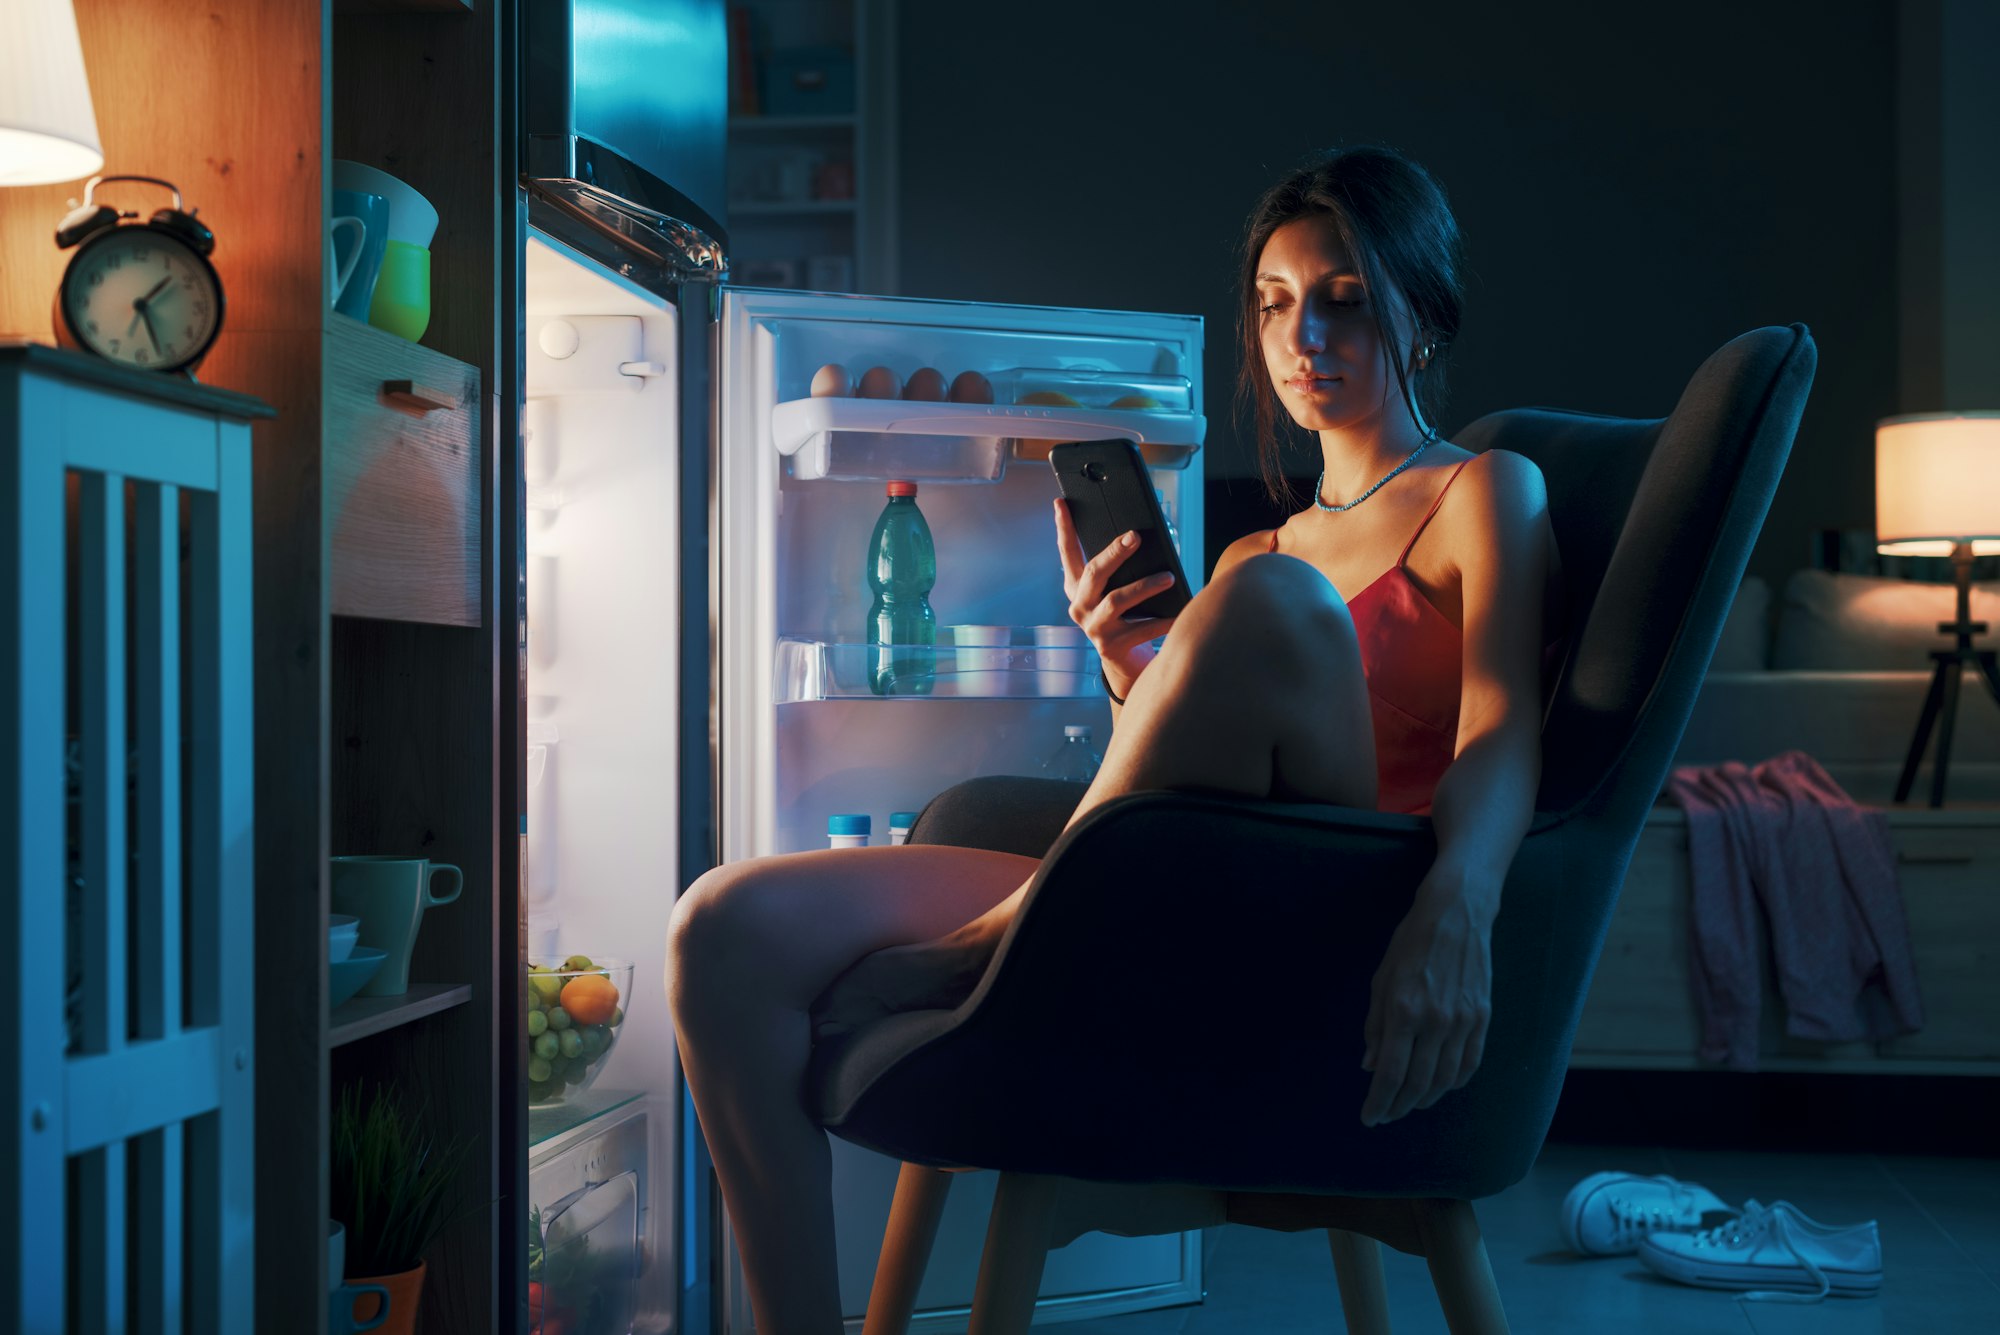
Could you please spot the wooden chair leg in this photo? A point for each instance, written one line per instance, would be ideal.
(1460, 1271)
(1364, 1294)
(906, 1248)
(1017, 1246)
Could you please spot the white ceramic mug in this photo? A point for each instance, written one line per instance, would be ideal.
(412, 218)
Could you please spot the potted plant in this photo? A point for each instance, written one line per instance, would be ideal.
(392, 1187)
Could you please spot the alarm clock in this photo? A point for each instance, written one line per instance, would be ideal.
(140, 294)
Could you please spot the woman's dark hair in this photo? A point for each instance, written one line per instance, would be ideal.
(1394, 223)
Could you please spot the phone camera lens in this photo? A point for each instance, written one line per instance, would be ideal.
(1094, 471)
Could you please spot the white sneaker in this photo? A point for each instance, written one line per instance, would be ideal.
(1798, 1258)
(1607, 1214)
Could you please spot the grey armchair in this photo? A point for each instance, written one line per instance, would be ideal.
(1212, 1044)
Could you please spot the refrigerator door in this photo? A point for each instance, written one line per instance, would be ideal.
(602, 461)
(799, 484)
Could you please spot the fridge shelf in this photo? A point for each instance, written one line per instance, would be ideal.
(868, 440)
(559, 1119)
(1017, 669)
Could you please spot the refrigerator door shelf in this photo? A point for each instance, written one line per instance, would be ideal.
(809, 670)
(865, 440)
(1091, 387)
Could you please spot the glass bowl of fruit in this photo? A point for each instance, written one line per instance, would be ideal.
(576, 1009)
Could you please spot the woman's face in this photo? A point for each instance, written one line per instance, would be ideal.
(1326, 359)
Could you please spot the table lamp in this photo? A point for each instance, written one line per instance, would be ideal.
(48, 130)
(1937, 493)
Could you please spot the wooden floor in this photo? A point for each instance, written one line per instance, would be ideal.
(1940, 1223)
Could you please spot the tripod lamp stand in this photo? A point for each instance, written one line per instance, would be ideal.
(1937, 493)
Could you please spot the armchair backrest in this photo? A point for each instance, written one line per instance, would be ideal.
(1655, 521)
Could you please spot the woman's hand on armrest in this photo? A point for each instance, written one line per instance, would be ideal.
(1430, 1000)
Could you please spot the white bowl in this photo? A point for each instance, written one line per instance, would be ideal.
(412, 218)
(343, 930)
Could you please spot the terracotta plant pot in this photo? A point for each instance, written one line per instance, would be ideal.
(406, 1288)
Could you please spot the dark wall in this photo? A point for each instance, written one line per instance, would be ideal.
(1634, 190)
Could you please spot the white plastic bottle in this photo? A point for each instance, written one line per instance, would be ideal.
(1076, 760)
(847, 831)
(899, 826)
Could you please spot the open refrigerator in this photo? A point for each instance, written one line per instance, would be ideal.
(698, 685)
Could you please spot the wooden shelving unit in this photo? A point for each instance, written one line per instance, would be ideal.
(784, 229)
(371, 734)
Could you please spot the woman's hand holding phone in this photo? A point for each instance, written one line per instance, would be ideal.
(1123, 646)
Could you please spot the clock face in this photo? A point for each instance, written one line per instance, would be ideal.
(141, 297)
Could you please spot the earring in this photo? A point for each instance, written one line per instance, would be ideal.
(1424, 355)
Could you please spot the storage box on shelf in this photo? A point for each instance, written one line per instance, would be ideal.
(402, 478)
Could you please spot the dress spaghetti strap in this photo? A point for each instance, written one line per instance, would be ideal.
(1411, 544)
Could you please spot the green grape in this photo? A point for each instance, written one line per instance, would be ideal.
(538, 1092)
(617, 1016)
(577, 964)
(547, 1047)
(538, 1071)
(558, 1018)
(574, 1073)
(538, 1023)
(535, 1001)
(547, 986)
(572, 1043)
(595, 1040)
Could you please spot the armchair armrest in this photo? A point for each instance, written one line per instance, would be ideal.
(1181, 999)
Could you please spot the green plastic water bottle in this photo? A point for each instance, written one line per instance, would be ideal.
(902, 567)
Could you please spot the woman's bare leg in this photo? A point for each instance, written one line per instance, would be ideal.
(1258, 692)
(751, 946)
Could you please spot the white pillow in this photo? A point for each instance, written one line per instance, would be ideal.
(1865, 623)
(1745, 645)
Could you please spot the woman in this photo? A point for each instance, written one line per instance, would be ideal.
(1407, 603)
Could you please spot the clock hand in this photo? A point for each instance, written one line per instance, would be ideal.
(141, 303)
(151, 333)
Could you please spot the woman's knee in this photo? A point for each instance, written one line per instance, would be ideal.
(713, 928)
(1272, 601)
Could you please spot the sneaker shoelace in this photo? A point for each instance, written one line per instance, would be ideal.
(1631, 1221)
(1755, 1221)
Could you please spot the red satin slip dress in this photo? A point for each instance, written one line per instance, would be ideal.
(1413, 658)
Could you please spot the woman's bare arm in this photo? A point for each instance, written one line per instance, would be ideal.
(1432, 996)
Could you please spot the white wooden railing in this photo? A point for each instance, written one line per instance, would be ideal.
(126, 1141)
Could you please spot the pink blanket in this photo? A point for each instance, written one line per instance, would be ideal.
(1784, 835)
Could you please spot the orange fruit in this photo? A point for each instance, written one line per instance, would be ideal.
(590, 999)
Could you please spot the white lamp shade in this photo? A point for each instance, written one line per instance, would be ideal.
(1937, 483)
(48, 131)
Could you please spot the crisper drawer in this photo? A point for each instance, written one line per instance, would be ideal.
(402, 476)
(588, 1228)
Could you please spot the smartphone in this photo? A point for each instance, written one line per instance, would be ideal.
(1110, 492)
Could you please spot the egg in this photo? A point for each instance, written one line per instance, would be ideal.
(831, 382)
(926, 384)
(880, 383)
(971, 387)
